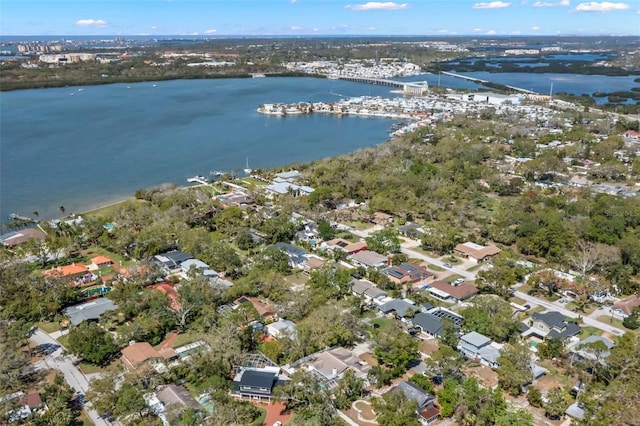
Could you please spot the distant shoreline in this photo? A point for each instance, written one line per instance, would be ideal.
(9, 86)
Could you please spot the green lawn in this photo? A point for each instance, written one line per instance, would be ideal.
(382, 322)
(589, 331)
(589, 308)
(360, 226)
(95, 250)
(452, 278)
(436, 268)
(49, 327)
(82, 420)
(608, 319)
(517, 301)
(182, 339)
(111, 209)
(63, 340)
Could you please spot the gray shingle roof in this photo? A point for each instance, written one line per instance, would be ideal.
(416, 393)
(476, 339)
(90, 311)
(399, 306)
(429, 323)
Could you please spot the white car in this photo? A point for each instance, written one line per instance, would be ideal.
(458, 281)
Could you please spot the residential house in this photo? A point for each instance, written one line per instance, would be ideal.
(281, 328)
(382, 219)
(89, 311)
(411, 230)
(552, 325)
(575, 411)
(77, 273)
(171, 260)
(400, 308)
(141, 353)
(450, 292)
(428, 323)
(471, 343)
(257, 383)
(22, 236)
(330, 365)
(476, 252)
(346, 246)
(367, 290)
(265, 310)
(368, 259)
(197, 267)
(427, 412)
(632, 135)
(101, 262)
(176, 397)
(625, 307)
(407, 272)
(579, 350)
(297, 256)
(312, 263)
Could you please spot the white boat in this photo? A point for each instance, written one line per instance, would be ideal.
(197, 179)
(247, 169)
(155, 85)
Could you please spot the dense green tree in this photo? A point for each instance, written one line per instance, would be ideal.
(394, 347)
(93, 343)
(309, 398)
(445, 363)
(349, 388)
(534, 396)
(556, 404)
(384, 242)
(423, 381)
(514, 371)
(492, 317)
(394, 409)
(551, 348)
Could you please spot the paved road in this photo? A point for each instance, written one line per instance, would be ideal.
(567, 313)
(74, 377)
(416, 255)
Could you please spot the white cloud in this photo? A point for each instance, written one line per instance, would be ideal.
(492, 5)
(377, 5)
(293, 1)
(211, 31)
(551, 3)
(91, 23)
(490, 32)
(536, 28)
(443, 31)
(153, 27)
(605, 6)
(477, 30)
(368, 28)
(296, 28)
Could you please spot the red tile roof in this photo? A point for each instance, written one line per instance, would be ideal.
(459, 292)
(66, 271)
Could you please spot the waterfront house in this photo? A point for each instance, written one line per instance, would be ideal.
(476, 252)
(22, 236)
(77, 273)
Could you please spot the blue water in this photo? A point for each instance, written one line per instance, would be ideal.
(105, 142)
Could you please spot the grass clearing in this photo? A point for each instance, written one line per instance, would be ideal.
(435, 268)
(360, 226)
(517, 301)
(608, 319)
(63, 340)
(111, 209)
(382, 323)
(452, 278)
(589, 331)
(475, 267)
(48, 326)
(182, 339)
(588, 311)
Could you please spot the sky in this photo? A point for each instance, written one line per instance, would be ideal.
(319, 17)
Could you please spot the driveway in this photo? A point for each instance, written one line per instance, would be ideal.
(54, 359)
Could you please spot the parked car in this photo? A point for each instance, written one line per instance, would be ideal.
(458, 281)
(448, 265)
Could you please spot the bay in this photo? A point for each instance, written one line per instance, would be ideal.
(85, 147)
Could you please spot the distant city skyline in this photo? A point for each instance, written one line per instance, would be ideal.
(318, 17)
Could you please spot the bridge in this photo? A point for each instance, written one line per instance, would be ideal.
(410, 88)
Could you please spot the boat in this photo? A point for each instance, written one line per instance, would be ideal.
(247, 169)
(80, 90)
